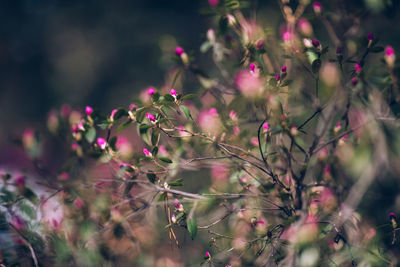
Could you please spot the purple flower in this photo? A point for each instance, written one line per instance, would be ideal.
(370, 36)
(315, 43)
(277, 77)
(179, 51)
(284, 69)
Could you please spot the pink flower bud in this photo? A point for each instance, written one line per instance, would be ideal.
(233, 115)
(286, 37)
(338, 127)
(173, 93)
(80, 126)
(211, 35)
(277, 77)
(208, 255)
(392, 216)
(151, 117)
(113, 114)
(151, 91)
(305, 27)
(254, 141)
(265, 126)
(17, 222)
(213, 111)
(88, 110)
(173, 218)
(317, 8)
(236, 130)
(390, 57)
(147, 153)
(307, 42)
(78, 203)
(370, 36)
(252, 67)
(132, 107)
(213, 2)
(315, 43)
(284, 69)
(260, 44)
(354, 81)
(101, 142)
(20, 181)
(179, 51)
(64, 176)
(357, 68)
(294, 131)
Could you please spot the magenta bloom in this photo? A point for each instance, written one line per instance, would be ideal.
(179, 51)
(17, 222)
(277, 77)
(233, 115)
(151, 91)
(151, 117)
(392, 216)
(174, 93)
(389, 51)
(370, 36)
(390, 56)
(284, 69)
(315, 43)
(213, 2)
(88, 110)
(317, 7)
(252, 67)
(357, 67)
(248, 84)
(20, 180)
(78, 203)
(208, 254)
(64, 176)
(101, 142)
(146, 152)
(266, 126)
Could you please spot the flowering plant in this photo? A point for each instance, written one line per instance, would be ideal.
(269, 163)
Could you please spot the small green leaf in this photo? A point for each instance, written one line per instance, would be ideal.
(192, 227)
(316, 65)
(123, 126)
(145, 126)
(120, 113)
(189, 96)
(90, 135)
(169, 98)
(164, 159)
(177, 182)
(27, 209)
(185, 111)
(152, 177)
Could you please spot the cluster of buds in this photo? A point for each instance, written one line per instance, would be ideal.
(182, 55)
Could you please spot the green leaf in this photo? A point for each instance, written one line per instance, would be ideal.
(185, 111)
(123, 126)
(104, 125)
(169, 98)
(120, 113)
(155, 136)
(145, 126)
(286, 83)
(189, 96)
(177, 182)
(90, 135)
(27, 209)
(152, 177)
(164, 159)
(192, 227)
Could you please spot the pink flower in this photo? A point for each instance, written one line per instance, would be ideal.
(277, 77)
(213, 2)
(337, 128)
(287, 37)
(260, 44)
(78, 203)
(357, 68)
(254, 141)
(17, 222)
(315, 43)
(162, 151)
(370, 36)
(173, 93)
(236, 130)
(113, 114)
(305, 27)
(132, 107)
(213, 111)
(248, 84)
(208, 254)
(265, 126)
(252, 67)
(390, 57)
(392, 216)
(151, 117)
(209, 121)
(20, 181)
(151, 90)
(317, 7)
(178, 206)
(173, 218)
(64, 176)
(147, 153)
(219, 172)
(284, 68)
(101, 142)
(88, 110)
(233, 115)
(179, 51)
